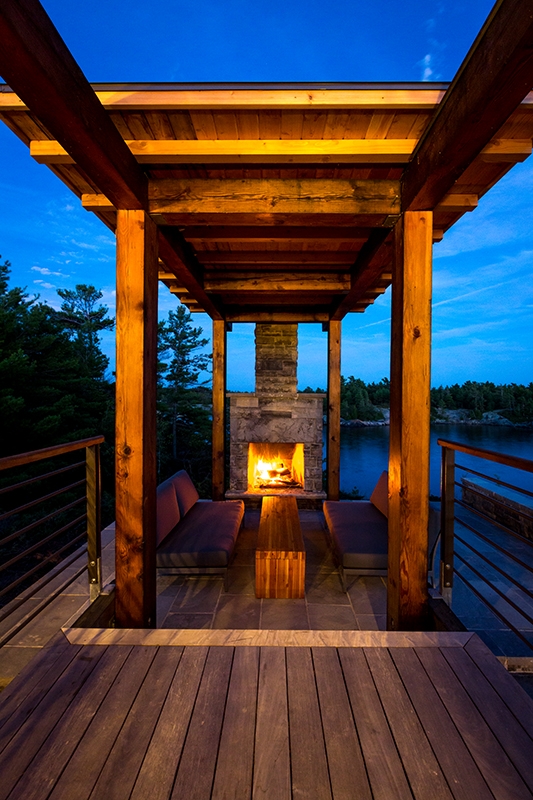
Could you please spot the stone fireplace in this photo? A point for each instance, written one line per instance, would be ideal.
(276, 432)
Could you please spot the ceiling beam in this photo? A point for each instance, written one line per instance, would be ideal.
(492, 81)
(38, 66)
(276, 256)
(179, 259)
(262, 234)
(372, 261)
(274, 195)
(254, 151)
(275, 315)
(279, 282)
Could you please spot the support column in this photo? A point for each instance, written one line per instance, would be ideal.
(333, 449)
(219, 406)
(409, 423)
(135, 458)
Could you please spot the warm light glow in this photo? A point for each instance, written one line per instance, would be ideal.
(275, 466)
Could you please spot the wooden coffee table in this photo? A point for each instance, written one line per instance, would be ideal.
(280, 553)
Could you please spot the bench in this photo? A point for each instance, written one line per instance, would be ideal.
(280, 552)
(194, 536)
(358, 532)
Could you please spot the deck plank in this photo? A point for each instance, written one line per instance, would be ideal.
(19, 753)
(345, 759)
(122, 766)
(456, 762)
(194, 779)
(83, 769)
(513, 738)
(156, 776)
(385, 770)
(423, 771)
(511, 693)
(309, 767)
(26, 696)
(271, 753)
(234, 770)
(495, 766)
(57, 749)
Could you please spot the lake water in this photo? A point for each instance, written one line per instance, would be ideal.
(365, 452)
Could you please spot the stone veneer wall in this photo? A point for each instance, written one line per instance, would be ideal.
(276, 412)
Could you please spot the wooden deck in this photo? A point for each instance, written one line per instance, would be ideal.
(371, 715)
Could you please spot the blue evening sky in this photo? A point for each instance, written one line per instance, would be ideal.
(483, 292)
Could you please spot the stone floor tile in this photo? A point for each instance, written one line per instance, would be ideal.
(368, 595)
(178, 621)
(371, 622)
(238, 611)
(241, 580)
(324, 587)
(331, 617)
(198, 595)
(280, 615)
(244, 558)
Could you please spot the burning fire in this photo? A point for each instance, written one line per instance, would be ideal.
(275, 466)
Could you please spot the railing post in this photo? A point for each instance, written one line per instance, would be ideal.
(447, 523)
(94, 540)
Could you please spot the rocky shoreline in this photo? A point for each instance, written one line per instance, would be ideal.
(460, 416)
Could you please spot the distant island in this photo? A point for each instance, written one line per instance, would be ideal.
(472, 403)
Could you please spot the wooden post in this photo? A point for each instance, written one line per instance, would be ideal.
(219, 406)
(94, 527)
(447, 523)
(333, 450)
(409, 423)
(135, 457)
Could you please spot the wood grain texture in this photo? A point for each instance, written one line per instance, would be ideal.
(135, 443)
(333, 442)
(409, 423)
(195, 774)
(272, 775)
(280, 550)
(219, 409)
(234, 770)
(345, 760)
(47, 452)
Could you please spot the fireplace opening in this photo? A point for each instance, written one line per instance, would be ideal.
(275, 466)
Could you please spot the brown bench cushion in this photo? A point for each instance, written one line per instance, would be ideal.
(168, 513)
(204, 537)
(185, 491)
(359, 533)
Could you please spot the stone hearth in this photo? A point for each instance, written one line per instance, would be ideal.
(276, 413)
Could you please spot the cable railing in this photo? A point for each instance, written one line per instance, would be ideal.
(485, 536)
(47, 511)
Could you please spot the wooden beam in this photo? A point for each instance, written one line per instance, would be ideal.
(333, 448)
(506, 150)
(276, 233)
(274, 195)
(492, 81)
(180, 260)
(275, 315)
(279, 282)
(275, 257)
(255, 151)
(458, 202)
(135, 446)
(38, 66)
(373, 257)
(409, 423)
(233, 98)
(219, 406)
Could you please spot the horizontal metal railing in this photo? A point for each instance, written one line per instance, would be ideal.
(52, 507)
(508, 548)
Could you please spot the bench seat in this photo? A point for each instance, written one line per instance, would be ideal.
(359, 534)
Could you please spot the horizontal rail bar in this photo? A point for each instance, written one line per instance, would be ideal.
(495, 566)
(42, 499)
(20, 485)
(33, 570)
(33, 525)
(472, 488)
(494, 610)
(495, 589)
(491, 521)
(41, 542)
(495, 545)
(49, 576)
(48, 452)
(494, 480)
(489, 455)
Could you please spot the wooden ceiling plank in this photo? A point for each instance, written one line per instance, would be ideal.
(280, 233)
(260, 315)
(373, 258)
(492, 81)
(37, 64)
(279, 283)
(276, 257)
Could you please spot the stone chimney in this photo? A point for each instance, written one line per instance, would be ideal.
(276, 359)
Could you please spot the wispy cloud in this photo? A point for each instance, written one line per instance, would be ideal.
(42, 284)
(46, 271)
(425, 63)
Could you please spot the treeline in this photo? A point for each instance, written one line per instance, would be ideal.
(360, 400)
